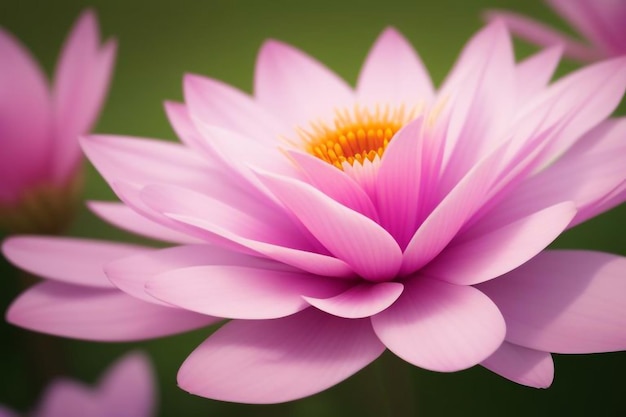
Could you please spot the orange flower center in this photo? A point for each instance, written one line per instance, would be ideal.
(357, 135)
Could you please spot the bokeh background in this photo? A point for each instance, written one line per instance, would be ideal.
(159, 41)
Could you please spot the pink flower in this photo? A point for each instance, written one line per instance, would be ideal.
(125, 390)
(331, 224)
(39, 127)
(600, 22)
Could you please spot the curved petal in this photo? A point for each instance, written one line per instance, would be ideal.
(131, 274)
(96, 314)
(295, 86)
(180, 120)
(445, 221)
(312, 262)
(483, 98)
(534, 73)
(576, 104)
(399, 183)
(589, 172)
(25, 119)
(221, 105)
(543, 35)
(334, 183)
(273, 361)
(124, 217)
(81, 82)
(148, 161)
(240, 292)
(128, 387)
(528, 367)
(69, 399)
(241, 154)
(489, 255)
(131, 196)
(350, 236)
(564, 302)
(236, 219)
(393, 73)
(363, 300)
(440, 326)
(73, 261)
(6, 412)
(602, 22)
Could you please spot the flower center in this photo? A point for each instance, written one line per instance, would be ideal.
(357, 135)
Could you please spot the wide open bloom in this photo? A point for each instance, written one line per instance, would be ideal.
(125, 390)
(332, 223)
(600, 22)
(40, 126)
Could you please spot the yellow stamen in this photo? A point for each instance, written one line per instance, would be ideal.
(355, 135)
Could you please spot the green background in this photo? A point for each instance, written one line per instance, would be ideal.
(159, 41)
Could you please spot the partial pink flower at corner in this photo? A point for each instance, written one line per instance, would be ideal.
(40, 126)
(127, 389)
(601, 22)
(329, 223)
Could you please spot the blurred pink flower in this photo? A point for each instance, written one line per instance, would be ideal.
(601, 22)
(125, 390)
(332, 223)
(39, 127)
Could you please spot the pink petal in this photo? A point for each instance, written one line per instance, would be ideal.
(363, 300)
(128, 388)
(334, 183)
(25, 120)
(440, 326)
(131, 274)
(131, 196)
(543, 35)
(180, 119)
(273, 361)
(450, 215)
(602, 22)
(148, 161)
(482, 100)
(393, 74)
(127, 219)
(528, 367)
(376, 257)
(564, 302)
(312, 262)
(486, 256)
(81, 82)
(6, 412)
(240, 292)
(183, 202)
(535, 72)
(68, 399)
(242, 154)
(295, 86)
(586, 174)
(96, 314)
(577, 103)
(398, 185)
(221, 105)
(69, 260)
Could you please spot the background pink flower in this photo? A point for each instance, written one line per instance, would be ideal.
(125, 390)
(332, 223)
(39, 126)
(600, 22)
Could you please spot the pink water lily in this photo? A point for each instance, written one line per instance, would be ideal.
(332, 223)
(600, 22)
(40, 126)
(125, 390)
